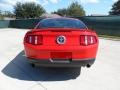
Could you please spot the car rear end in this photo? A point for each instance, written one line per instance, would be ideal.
(61, 47)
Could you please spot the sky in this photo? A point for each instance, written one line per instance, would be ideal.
(92, 7)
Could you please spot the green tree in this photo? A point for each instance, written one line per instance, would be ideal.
(0, 12)
(75, 9)
(62, 12)
(8, 14)
(115, 8)
(28, 10)
(1, 16)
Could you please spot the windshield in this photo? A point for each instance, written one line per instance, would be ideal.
(61, 23)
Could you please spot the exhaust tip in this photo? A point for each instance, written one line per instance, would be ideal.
(33, 65)
(88, 65)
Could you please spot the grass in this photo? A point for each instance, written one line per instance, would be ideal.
(110, 37)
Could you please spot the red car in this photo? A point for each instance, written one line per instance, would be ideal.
(61, 42)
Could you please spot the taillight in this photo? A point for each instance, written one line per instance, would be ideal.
(34, 39)
(87, 40)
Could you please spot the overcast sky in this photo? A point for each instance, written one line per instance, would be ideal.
(90, 6)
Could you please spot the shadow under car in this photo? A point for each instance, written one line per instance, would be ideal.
(19, 68)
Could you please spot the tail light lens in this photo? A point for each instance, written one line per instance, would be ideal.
(87, 40)
(34, 39)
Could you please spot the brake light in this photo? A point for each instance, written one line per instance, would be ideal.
(34, 39)
(87, 40)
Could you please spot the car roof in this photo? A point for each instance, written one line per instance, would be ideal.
(61, 18)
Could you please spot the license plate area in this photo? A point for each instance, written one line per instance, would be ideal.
(61, 57)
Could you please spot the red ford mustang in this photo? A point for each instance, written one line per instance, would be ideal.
(61, 42)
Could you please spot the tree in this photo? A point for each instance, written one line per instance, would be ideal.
(75, 9)
(0, 12)
(8, 14)
(1, 17)
(115, 8)
(62, 12)
(28, 10)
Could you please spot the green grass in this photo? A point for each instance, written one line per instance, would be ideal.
(110, 37)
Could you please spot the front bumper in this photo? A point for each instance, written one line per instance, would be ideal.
(62, 63)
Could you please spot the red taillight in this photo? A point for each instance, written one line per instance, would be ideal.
(87, 40)
(34, 39)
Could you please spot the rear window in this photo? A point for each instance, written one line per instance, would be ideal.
(61, 23)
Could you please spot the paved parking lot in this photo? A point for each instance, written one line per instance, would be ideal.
(17, 74)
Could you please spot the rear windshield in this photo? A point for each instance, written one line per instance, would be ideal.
(61, 23)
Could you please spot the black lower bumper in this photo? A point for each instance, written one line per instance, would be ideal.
(62, 63)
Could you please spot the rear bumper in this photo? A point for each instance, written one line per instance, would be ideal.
(44, 52)
(62, 63)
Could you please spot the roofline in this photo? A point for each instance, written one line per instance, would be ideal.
(61, 17)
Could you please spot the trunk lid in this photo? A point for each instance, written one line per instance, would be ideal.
(60, 36)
